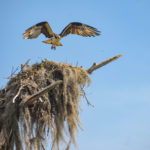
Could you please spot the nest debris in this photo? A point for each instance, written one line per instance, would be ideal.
(49, 112)
(42, 99)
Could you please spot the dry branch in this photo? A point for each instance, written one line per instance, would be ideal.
(34, 97)
(24, 66)
(96, 66)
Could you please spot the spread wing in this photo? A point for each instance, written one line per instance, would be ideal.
(36, 30)
(79, 29)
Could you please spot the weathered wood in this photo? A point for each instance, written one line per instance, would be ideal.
(96, 66)
(34, 97)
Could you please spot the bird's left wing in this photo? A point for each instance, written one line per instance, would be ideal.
(36, 30)
(79, 29)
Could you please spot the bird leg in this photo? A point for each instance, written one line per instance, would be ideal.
(53, 47)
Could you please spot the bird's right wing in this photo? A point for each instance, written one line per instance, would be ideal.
(36, 30)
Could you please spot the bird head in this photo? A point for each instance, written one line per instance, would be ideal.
(57, 36)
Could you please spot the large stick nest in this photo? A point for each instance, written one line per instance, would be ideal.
(42, 100)
(56, 112)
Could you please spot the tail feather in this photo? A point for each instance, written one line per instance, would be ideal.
(59, 44)
(53, 43)
(47, 41)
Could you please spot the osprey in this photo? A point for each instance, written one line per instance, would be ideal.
(54, 39)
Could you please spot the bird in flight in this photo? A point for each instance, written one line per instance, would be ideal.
(54, 39)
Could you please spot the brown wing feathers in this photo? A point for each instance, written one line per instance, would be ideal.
(36, 30)
(79, 29)
(46, 30)
(73, 28)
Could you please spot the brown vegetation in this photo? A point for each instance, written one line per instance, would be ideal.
(41, 100)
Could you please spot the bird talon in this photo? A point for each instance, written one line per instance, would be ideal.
(53, 47)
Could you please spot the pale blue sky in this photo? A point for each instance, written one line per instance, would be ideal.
(119, 91)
